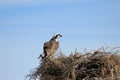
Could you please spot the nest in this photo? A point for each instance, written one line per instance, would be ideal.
(99, 65)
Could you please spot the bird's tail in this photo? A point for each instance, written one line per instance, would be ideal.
(41, 56)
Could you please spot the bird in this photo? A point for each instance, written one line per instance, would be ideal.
(51, 46)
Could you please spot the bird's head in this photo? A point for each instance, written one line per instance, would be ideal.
(56, 37)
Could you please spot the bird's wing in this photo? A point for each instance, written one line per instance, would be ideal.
(48, 45)
(51, 45)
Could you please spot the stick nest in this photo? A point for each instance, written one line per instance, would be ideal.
(97, 65)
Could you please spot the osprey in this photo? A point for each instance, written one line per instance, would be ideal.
(51, 46)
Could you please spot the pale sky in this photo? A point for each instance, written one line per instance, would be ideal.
(25, 25)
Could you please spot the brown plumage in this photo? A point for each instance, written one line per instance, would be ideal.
(51, 46)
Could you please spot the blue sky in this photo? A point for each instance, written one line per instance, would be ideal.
(25, 25)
